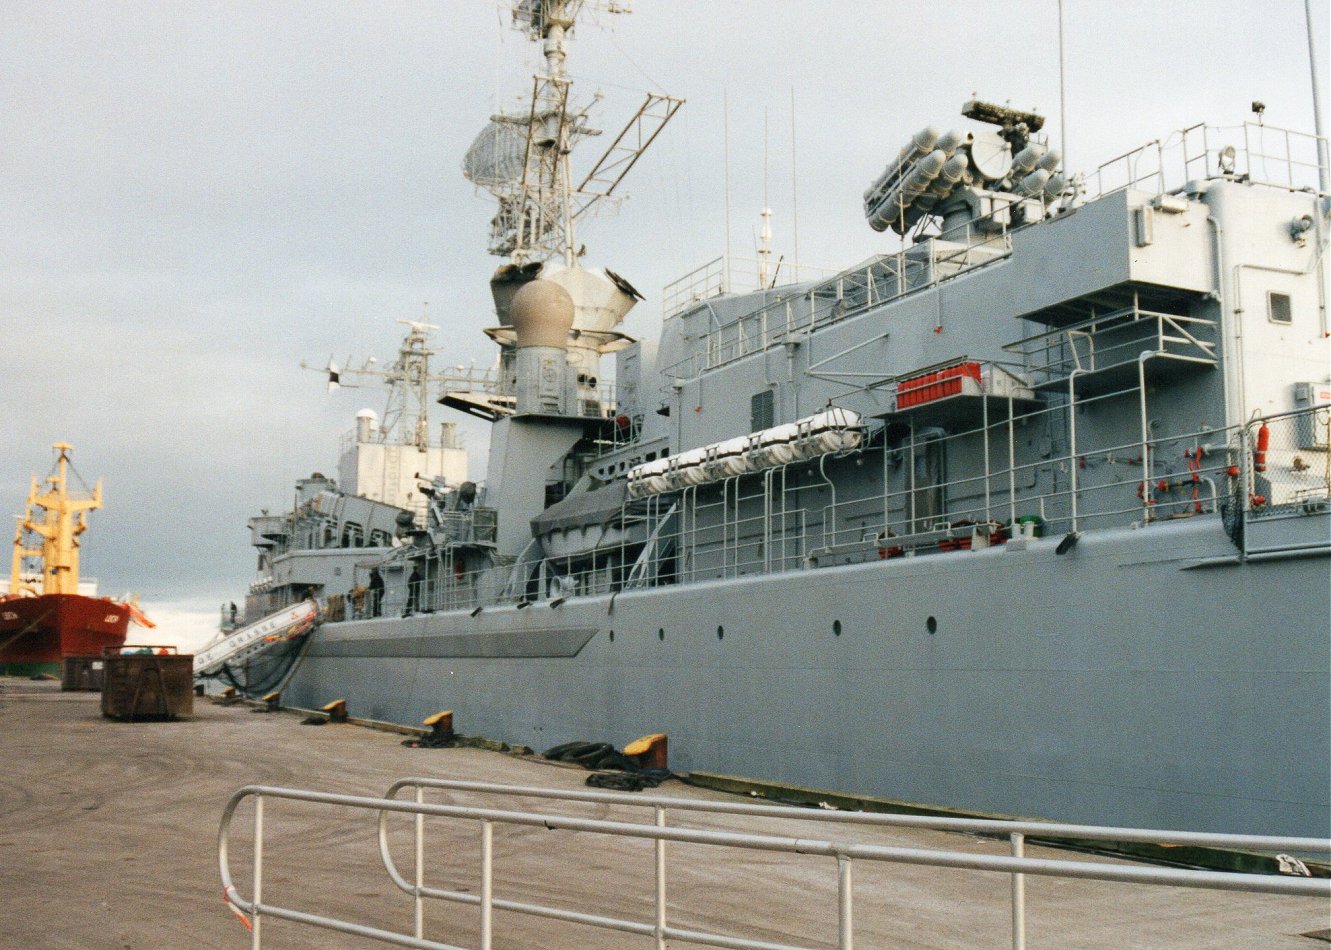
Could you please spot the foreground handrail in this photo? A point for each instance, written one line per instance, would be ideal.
(844, 852)
(1033, 829)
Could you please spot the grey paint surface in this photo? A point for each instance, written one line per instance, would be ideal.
(1107, 684)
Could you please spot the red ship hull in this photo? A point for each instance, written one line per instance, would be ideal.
(43, 630)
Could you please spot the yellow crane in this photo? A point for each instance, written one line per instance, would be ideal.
(48, 532)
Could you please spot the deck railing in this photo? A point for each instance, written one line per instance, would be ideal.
(1115, 339)
(799, 517)
(1253, 151)
(793, 314)
(728, 274)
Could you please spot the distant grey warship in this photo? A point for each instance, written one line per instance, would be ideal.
(1031, 516)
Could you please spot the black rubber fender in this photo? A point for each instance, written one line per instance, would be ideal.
(617, 761)
(593, 754)
(559, 752)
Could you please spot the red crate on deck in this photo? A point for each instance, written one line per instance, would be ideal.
(927, 387)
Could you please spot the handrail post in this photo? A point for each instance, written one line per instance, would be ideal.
(256, 939)
(660, 881)
(1072, 440)
(420, 864)
(845, 910)
(1018, 895)
(487, 883)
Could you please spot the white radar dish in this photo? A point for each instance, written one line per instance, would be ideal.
(496, 156)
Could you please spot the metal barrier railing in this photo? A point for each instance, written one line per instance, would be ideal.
(1115, 339)
(1263, 154)
(729, 274)
(763, 524)
(769, 523)
(876, 281)
(845, 853)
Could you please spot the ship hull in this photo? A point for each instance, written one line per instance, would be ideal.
(1147, 677)
(36, 633)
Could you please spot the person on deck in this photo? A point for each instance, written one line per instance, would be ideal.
(376, 591)
(414, 585)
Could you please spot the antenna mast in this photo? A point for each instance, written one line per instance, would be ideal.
(765, 235)
(1322, 170)
(524, 158)
(725, 146)
(794, 186)
(1062, 97)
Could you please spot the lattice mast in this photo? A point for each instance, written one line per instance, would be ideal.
(406, 417)
(46, 541)
(523, 158)
(546, 194)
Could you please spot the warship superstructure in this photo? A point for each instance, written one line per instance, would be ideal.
(1029, 516)
(340, 528)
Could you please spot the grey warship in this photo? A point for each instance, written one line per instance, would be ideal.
(1031, 516)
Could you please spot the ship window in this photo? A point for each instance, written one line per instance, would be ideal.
(660, 634)
(1278, 308)
(762, 411)
(836, 628)
(720, 633)
(931, 625)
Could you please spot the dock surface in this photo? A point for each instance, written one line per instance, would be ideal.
(108, 839)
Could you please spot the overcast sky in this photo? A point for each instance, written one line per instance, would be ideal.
(194, 198)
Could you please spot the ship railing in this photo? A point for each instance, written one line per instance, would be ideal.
(850, 846)
(694, 548)
(762, 524)
(728, 274)
(1286, 473)
(1115, 340)
(457, 591)
(794, 315)
(755, 527)
(475, 525)
(1093, 485)
(1255, 152)
(1153, 479)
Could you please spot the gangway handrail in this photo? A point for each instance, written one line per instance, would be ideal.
(844, 852)
(259, 636)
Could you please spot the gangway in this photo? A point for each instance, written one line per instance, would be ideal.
(253, 639)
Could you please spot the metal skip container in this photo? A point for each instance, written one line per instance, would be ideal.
(147, 683)
(81, 674)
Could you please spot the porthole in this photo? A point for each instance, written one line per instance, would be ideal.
(836, 628)
(612, 636)
(720, 633)
(660, 634)
(931, 625)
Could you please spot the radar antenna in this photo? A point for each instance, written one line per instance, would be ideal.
(523, 158)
